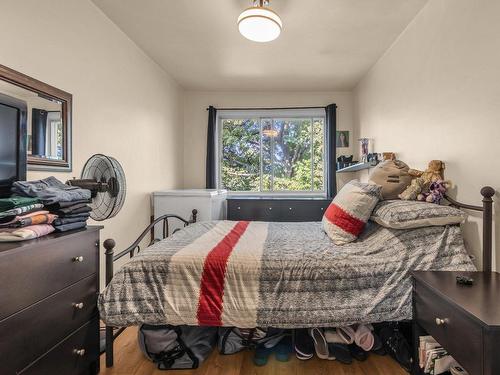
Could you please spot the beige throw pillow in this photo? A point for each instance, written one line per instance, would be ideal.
(393, 176)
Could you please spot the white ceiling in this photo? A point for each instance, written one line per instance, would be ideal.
(324, 45)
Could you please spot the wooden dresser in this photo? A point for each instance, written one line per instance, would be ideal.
(48, 316)
(465, 320)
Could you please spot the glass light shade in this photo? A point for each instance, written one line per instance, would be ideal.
(259, 24)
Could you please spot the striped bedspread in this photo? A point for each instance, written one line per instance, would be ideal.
(258, 274)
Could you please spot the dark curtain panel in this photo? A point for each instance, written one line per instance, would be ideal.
(331, 165)
(211, 182)
(38, 131)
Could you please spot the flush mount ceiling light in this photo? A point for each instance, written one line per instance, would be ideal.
(259, 23)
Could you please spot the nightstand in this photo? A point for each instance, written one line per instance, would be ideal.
(465, 320)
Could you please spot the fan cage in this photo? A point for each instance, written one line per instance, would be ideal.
(101, 168)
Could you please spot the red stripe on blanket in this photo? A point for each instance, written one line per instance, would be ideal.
(212, 279)
(344, 220)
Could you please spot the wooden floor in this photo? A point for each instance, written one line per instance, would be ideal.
(130, 361)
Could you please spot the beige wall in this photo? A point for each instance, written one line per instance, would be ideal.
(435, 94)
(124, 105)
(196, 117)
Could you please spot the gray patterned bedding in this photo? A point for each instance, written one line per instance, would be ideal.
(257, 274)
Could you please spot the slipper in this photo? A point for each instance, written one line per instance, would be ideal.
(340, 352)
(364, 337)
(283, 349)
(261, 355)
(320, 344)
(303, 344)
(347, 334)
(332, 336)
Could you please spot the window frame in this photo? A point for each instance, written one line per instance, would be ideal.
(312, 113)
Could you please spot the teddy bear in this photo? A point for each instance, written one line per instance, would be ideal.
(434, 171)
(419, 187)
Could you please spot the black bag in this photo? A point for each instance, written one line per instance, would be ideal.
(177, 347)
(233, 340)
(396, 344)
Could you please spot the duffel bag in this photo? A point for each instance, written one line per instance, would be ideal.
(177, 347)
(233, 340)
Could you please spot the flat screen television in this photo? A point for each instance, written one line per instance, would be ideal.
(12, 142)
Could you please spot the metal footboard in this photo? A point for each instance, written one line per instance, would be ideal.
(134, 248)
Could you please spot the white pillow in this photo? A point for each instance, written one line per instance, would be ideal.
(349, 211)
(402, 214)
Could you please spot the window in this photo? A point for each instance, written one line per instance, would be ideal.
(272, 152)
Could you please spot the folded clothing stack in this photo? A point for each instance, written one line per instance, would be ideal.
(70, 215)
(23, 218)
(69, 203)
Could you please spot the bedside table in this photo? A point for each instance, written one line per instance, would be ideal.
(465, 320)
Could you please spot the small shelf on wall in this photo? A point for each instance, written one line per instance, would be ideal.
(357, 167)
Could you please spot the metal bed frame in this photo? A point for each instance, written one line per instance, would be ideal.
(110, 244)
(487, 193)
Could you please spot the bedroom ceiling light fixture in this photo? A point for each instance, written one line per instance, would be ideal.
(259, 23)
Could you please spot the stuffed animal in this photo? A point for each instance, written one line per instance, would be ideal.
(434, 171)
(388, 156)
(437, 191)
(419, 187)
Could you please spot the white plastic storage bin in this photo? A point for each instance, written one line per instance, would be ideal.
(211, 205)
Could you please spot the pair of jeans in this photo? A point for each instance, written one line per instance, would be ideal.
(71, 226)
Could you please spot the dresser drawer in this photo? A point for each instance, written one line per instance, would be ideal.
(307, 210)
(31, 274)
(29, 333)
(285, 210)
(255, 209)
(64, 360)
(459, 334)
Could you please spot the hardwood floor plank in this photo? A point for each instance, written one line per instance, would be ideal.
(130, 361)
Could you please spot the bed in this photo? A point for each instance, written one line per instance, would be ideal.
(284, 275)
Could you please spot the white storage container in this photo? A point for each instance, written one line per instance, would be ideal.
(210, 203)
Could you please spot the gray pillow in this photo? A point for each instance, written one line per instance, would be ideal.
(400, 214)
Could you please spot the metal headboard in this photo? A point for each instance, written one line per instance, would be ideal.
(487, 209)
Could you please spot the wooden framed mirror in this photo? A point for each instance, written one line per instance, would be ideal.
(48, 122)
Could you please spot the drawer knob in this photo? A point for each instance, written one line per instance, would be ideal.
(79, 352)
(78, 305)
(78, 259)
(440, 321)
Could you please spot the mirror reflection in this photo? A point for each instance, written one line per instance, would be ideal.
(45, 130)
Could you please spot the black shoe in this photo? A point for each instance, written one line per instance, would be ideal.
(378, 346)
(303, 344)
(339, 352)
(358, 353)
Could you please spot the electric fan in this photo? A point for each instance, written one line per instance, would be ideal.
(104, 177)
